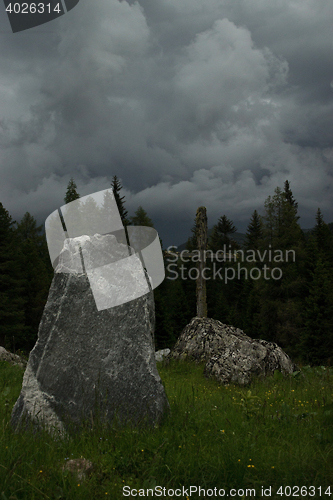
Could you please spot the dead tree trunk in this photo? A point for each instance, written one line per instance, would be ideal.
(201, 230)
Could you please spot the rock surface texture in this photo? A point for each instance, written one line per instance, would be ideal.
(86, 359)
(230, 355)
(13, 359)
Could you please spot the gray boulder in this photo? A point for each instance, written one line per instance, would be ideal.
(161, 354)
(230, 355)
(88, 361)
(12, 359)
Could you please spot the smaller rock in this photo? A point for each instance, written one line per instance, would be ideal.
(79, 467)
(230, 355)
(161, 354)
(13, 359)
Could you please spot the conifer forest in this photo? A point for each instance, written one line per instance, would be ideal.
(277, 286)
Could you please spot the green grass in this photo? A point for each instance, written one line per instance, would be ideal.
(277, 432)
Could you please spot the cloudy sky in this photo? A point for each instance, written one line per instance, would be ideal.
(188, 102)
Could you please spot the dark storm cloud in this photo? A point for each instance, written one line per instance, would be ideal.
(190, 103)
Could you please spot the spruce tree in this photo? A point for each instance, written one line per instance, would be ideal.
(254, 232)
(12, 285)
(239, 302)
(220, 295)
(36, 289)
(219, 308)
(280, 298)
(89, 216)
(273, 218)
(192, 242)
(164, 337)
(45, 256)
(141, 218)
(311, 257)
(36, 273)
(318, 299)
(107, 207)
(323, 238)
(316, 343)
(226, 226)
(221, 235)
(289, 196)
(215, 242)
(252, 312)
(178, 306)
(116, 187)
(71, 193)
(71, 215)
(281, 228)
(26, 230)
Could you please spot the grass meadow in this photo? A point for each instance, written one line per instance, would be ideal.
(276, 433)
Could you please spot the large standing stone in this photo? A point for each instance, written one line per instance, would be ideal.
(86, 359)
(230, 355)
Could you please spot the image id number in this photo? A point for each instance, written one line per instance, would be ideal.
(32, 8)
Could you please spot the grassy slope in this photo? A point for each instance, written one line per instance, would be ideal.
(278, 434)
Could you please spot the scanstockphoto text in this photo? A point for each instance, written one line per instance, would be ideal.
(175, 267)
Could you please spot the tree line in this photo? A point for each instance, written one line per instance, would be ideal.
(293, 307)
